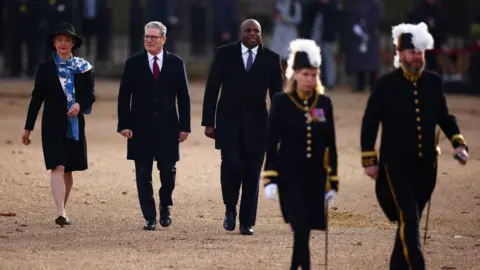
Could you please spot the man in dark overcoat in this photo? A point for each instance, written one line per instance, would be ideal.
(244, 70)
(363, 54)
(409, 102)
(153, 82)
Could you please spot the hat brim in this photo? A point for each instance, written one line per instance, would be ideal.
(78, 40)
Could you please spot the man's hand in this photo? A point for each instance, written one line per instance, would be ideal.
(210, 132)
(183, 136)
(460, 154)
(26, 137)
(372, 171)
(127, 133)
(74, 110)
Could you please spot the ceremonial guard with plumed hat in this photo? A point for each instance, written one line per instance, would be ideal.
(301, 158)
(409, 102)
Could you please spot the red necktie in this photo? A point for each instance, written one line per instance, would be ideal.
(156, 69)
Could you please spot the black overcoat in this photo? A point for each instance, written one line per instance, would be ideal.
(48, 90)
(148, 107)
(242, 102)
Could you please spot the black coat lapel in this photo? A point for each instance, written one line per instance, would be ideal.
(165, 66)
(258, 59)
(146, 67)
(239, 58)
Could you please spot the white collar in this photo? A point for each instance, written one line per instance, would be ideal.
(245, 49)
(159, 56)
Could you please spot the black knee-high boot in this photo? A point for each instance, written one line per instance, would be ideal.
(301, 250)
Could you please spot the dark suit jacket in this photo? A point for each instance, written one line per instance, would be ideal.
(242, 104)
(148, 107)
(49, 91)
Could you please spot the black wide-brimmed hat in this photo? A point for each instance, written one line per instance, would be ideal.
(65, 29)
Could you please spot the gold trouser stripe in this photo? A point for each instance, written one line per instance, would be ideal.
(402, 222)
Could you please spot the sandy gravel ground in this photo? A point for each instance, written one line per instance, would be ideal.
(107, 231)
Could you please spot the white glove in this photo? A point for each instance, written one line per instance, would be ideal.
(357, 29)
(462, 154)
(329, 196)
(271, 191)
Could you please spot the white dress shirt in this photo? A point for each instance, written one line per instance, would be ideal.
(245, 54)
(159, 60)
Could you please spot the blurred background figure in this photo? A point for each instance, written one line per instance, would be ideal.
(431, 13)
(288, 15)
(30, 20)
(89, 23)
(164, 12)
(322, 21)
(225, 22)
(363, 55)
(474, 67)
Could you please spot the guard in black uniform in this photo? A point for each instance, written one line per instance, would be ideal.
(409, 102)
(302, 138)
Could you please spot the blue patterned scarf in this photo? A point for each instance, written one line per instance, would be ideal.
(67, 70)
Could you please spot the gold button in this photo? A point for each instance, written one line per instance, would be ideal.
(309, 142)
(419, 137)
(419, 128)
(420, 154)
(415, 92)
(309, 128)
(305, 101)
(416, 101)
(309, 155)
(418, 119)
(309, 148)
(309, 121)
(309, 135)
(419, 145)
(306, 108)
(414, 83)
(417, 110)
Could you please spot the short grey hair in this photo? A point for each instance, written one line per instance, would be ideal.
(157, 25)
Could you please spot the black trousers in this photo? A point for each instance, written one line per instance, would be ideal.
(411, 184)
(143, 170)
(241, 168)
(301, 250)
(361, 81)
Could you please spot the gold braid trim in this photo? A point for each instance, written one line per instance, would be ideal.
(270, 173)
(299, 106)
(457, 139)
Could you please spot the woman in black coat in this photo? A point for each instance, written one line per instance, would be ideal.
(302, 154)
(65, 85)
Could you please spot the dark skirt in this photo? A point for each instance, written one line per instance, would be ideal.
(69, 153)
(302, 195)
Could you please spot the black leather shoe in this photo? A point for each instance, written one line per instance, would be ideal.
(165, 218)
(62, 221)
(149, 225)
(229, 220)
(248, 230)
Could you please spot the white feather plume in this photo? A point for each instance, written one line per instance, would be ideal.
(421, 38)
(304, 45)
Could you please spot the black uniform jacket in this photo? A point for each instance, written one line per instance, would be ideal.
(242, 102)
(302, 156)
(409, 108)
(148, 107)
